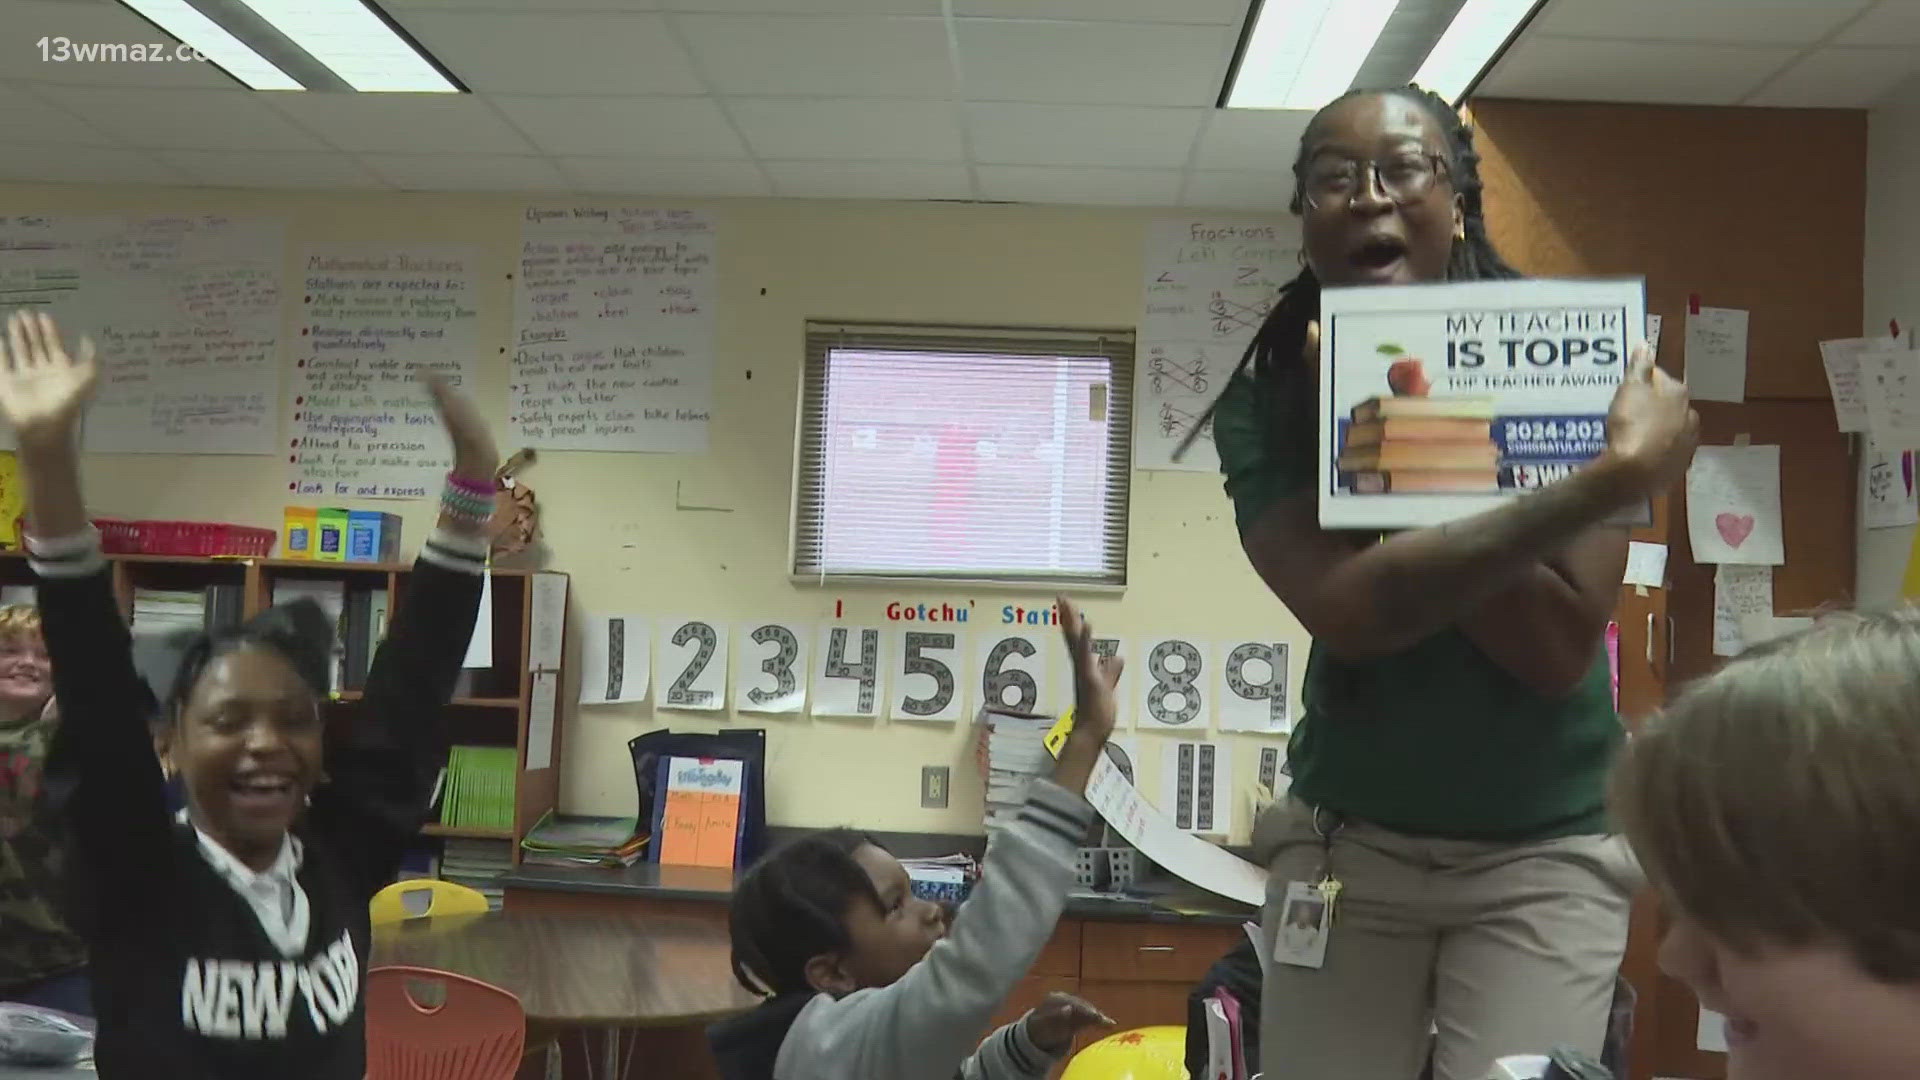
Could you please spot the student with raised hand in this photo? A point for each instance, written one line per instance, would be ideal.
(231, 942)
(864, 981)
(1447, 795)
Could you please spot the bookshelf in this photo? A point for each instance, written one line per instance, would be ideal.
(492, 706)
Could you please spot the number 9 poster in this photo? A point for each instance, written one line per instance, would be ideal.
(1440, 401)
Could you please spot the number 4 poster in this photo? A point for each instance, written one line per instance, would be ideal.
(772, 675)
(846, 672)
(925, 682)
(693, 665)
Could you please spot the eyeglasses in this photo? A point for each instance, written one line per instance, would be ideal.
(1330, 182)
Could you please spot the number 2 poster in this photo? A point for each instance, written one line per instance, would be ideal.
(1440, 401)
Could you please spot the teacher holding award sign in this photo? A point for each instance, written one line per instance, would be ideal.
(1446, 833)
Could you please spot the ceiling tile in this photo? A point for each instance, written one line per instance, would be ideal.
(1240, 190)
(403, 123)
(25, 118)
(557, 52)
(684, 127)
(1094, 63)
(827, 55)
(92, 23)
(1113, 187)
(184, 119)
(644, 176)
(235, 168)
(1211, 12)
(1256, 139)
(1578, 69)
(1766, 22)
(869, 180)
(87, 165)
(1840, 78)
(467, 172)
(1894, 22)
(1013, 134)
(848, 129)
(808, 7)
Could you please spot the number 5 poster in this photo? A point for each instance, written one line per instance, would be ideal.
(1440, 401)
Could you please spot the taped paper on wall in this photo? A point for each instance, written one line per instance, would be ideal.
(1181, 854)
(616, 659)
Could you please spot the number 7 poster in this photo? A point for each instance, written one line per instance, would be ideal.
(1440, 401)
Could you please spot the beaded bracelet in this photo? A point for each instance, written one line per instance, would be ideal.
(483, 488)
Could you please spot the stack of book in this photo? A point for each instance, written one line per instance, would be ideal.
(579, 840)
(477, 792)
(477, 864)
(1434, 444)
(1016, 753)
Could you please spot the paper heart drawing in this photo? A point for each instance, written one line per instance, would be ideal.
(1734, 528)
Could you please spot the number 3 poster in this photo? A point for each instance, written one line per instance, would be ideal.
(1440, 401)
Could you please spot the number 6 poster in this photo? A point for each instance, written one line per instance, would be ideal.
(1440, 401)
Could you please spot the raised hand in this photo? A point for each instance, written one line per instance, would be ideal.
(1094, 676)
(1651, 425)
(1054, 1022)
(42, 388)
(474, 455)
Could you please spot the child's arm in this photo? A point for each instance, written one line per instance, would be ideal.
(101, 775)
(926, 1025)
(381, 772)
(1031, 1046)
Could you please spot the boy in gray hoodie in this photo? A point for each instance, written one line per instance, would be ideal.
(866, 982)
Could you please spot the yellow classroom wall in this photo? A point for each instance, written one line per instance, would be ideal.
(610, 519)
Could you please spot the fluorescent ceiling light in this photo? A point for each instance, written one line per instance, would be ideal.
(1478, 32)
(357, 44)
(1302, 54)
(234, 56)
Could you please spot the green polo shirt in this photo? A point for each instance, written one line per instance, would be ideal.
(1435, 740)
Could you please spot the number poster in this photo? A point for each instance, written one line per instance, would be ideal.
(1440, 401)
(933, 674)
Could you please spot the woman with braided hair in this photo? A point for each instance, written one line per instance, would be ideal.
(1447, 793)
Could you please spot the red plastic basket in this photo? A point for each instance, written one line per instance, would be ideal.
(183, 538)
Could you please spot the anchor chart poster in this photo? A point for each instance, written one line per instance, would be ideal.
(1440, 401)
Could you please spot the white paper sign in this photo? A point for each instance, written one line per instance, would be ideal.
(547, 630)
(1841, 358)
(927, 683)
(1890, 383)
(846, 671)
(1171, 684)
(1198, 789)
(1760, 629)
(480, 644)
(615, 659)
(1717, 354)
(1209, 285)
(542, 708)
(1733, 505)
(1711, 1033)
(771, 675)
(1739, 593)
(1012, 670)
(1181, 854)
(693, 664)
(1653, 335)
(1887, 499)
(613, 329)
(1441, 401)
(1646, 564)
(1250, 687)
(374, 318)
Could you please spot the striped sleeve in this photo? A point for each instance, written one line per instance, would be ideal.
(1058, 812)
(75, 556)
(459, 552)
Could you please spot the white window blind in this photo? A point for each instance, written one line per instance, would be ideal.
(993, 455)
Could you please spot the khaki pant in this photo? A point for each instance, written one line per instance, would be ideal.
(1500, 948)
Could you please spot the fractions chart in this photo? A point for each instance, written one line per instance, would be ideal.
(1209, 285)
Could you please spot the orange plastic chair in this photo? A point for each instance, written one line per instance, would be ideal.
(391, 904)
(476, 1032)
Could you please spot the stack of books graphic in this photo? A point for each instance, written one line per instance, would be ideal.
(1421, 444)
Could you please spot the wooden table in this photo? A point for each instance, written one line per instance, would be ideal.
(581, 970)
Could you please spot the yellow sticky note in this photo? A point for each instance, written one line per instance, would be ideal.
(1057, 737)
(1910, 584)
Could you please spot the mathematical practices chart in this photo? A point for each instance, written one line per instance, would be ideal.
(1209, 284)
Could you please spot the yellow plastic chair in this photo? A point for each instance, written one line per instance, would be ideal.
(1150, 1053)
(398, 900)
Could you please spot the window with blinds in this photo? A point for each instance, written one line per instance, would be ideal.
(964, 454)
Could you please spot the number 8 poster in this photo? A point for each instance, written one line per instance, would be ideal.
(1440, 401)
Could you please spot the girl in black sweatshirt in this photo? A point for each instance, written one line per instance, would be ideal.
(230, 941)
